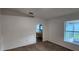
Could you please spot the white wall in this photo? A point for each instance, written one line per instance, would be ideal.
(56, 30)
(1, 37)
(0, 11)
(45, 32)
(0, 33)
(18, 31)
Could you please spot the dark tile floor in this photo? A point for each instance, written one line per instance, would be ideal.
(41, 46)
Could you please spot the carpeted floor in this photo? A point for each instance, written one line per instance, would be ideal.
(41, 46)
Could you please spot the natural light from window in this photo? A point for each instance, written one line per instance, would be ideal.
(71, 31)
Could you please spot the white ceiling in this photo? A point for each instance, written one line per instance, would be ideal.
(48, 13)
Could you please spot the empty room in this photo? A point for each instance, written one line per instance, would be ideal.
(39, 29)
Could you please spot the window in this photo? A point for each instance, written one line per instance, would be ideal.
(39, 28)
(71, 33)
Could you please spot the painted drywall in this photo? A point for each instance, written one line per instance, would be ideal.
(0, 33)
(1, 37)
(45, 32)
(18, 31)
(56, 30)
(0, 11)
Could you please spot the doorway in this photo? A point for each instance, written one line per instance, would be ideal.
(39, 33)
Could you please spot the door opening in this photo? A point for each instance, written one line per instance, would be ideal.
(39, 33)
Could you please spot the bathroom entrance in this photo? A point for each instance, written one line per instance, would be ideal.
(39, 33)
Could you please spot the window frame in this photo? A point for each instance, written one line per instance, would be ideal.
(73, 35)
